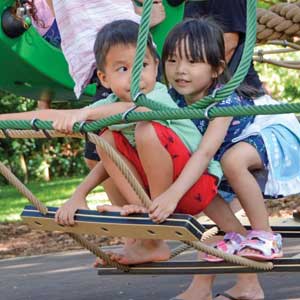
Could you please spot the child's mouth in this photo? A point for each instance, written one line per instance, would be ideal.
(182, 82)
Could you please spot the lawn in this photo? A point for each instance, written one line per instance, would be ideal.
(52, 193)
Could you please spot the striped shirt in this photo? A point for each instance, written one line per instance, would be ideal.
(79, 22)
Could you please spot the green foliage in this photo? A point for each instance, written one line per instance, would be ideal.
(280, 81)
(52, 193)
(39, 159)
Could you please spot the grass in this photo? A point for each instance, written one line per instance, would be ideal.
(53, 193)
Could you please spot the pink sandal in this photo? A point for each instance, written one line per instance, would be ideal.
(230, 244)
(268, 245)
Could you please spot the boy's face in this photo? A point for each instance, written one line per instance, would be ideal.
(118, 67)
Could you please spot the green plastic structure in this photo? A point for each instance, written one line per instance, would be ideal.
(30, 66)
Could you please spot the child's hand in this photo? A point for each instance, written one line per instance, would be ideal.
(158, 13)
(65, 120)
(65, 214)
(161, 208)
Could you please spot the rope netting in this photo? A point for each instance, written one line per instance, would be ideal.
(200, 109)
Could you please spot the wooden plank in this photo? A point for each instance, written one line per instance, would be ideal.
(176, 227)
(288, 227)
(200, 267)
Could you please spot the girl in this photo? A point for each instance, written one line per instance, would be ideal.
(194, 62)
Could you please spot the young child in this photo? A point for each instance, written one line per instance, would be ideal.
(194, 62)
(174, 140)
(43, 20)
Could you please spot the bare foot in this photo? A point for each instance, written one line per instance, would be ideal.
(124, 211)
(143, 251)
(138, 252)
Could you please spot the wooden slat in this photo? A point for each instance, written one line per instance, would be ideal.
(200, 267)
(288, 227)
(176, 227)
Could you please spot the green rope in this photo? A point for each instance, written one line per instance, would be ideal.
(185, 113)
(194, 111)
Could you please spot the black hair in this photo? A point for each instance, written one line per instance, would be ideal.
(124, 32)
(203, 41)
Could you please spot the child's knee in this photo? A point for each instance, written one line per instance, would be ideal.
(107, 135)
(231, 166)
(144, 132)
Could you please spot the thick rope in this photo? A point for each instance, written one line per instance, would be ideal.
(205, 236)
(12, 179)
(147, 202)
(281, 21)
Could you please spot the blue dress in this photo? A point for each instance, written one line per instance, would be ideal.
(236, 128)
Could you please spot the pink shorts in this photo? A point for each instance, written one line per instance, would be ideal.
(199, 196)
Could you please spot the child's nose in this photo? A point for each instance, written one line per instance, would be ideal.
(180, 68)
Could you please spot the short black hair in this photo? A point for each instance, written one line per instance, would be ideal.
(124, 32)
(204, 38)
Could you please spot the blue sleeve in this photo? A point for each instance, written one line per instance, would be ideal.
(231, 100)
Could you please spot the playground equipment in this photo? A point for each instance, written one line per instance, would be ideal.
(31, 67)
(177, 227)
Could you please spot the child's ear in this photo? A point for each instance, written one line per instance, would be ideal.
(103, 79)
(156, 66)
(220, 70)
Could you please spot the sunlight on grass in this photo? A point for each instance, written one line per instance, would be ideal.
(53, 193)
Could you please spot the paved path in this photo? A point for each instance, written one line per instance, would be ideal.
(69, 276)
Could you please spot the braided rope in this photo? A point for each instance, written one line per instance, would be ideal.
(147, 202)
(205, 236)
(43, 209)
(281, 21)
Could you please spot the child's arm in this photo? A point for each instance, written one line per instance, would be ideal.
(65, 214)
(213, 138)
(63, 120)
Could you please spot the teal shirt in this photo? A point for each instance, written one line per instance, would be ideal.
(185, 129)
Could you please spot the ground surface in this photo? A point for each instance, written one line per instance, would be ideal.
(17, 239)
(69, 276)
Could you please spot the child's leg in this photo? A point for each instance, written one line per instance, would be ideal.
(156, 160)
(237, 164)
(116, 175)
(222, 215)
(139, 251)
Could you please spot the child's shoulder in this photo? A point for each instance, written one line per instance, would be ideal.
(235, 99)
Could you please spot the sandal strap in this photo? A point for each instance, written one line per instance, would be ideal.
(227, 296)
(266, 242)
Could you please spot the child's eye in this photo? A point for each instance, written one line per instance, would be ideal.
(171, 60)
(191, 61)
(145, 64)
(122, 69)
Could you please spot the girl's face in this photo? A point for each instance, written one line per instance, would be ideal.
(118, 67)
(189, 78)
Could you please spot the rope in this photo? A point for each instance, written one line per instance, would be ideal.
(205, 236)
(12, 179)
(146, 202)
(281, 21)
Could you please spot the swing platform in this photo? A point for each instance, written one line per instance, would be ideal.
(177, 227)
(200, 267)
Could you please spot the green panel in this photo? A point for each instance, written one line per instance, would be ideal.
(174, 16)
(29, 65)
